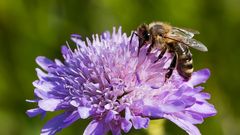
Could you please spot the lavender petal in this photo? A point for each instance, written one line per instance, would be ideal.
(187, 126)
(140, 122)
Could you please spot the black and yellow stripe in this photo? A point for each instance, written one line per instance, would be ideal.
(185, 62)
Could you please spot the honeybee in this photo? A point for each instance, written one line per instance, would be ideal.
(175, 40)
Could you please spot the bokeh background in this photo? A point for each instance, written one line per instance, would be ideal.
(29, 28)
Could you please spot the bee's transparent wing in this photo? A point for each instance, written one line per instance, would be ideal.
(184, 32)
(189, 42)
(187, 30)
(195, 44)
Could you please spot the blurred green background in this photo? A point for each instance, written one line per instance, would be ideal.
(29, 28)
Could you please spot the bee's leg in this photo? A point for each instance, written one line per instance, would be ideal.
(161, 54)
(150, 47)
(140, 41)
(140, 46)
(171, 67)
(133, 33)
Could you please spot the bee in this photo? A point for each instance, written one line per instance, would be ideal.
(162, 36)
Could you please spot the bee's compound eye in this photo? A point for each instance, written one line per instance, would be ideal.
(147, 36)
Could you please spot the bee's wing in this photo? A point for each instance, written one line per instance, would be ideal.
(184, 32)
(189, 42)
(187, 30)
(195, 44)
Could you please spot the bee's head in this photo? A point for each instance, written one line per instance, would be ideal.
(143, 34)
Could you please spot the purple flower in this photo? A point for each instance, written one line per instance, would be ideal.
(106, 81)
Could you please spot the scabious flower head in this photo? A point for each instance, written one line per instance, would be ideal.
(105, 81)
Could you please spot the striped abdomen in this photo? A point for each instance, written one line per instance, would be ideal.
(184, 61)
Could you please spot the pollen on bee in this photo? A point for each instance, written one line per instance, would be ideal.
(189, 70)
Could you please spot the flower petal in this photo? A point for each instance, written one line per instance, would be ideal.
(173, 106)
(126, 125)
(202, 96)
(34, 112)
(105, 35)
(110, 115)
(152, 111)
(187, 126)
(41, 94)
(49, 104)
(156, 108)
(42, 85)
(192, 117)
(58, 123)
(45, 63)
(140, 122)
(95, 128)
(205, 109)
(74, 116)
(115, 127)
(128, 114)
(76, 38)
(41, 75)
(199, 77)
(84, 112)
